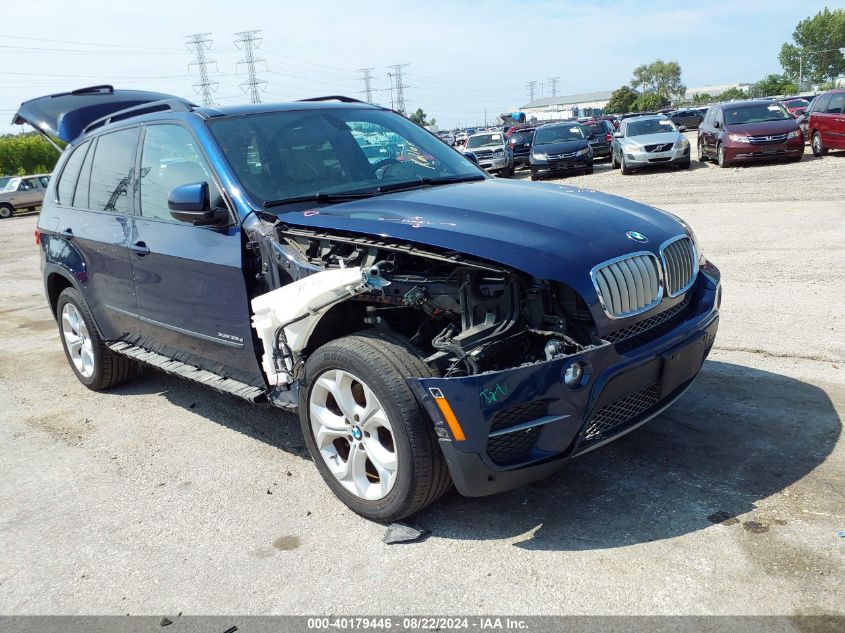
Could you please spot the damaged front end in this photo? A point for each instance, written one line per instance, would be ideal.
(525, 379)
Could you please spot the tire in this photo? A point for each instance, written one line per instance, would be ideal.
(378, 364)
(96, 366)
(506, 173)
(588, 172)
(534, 175)
(685, 164)
(724, 163)
(702, 158)
(819, 149)
(613, 163)
(626, 171)
(6, 211)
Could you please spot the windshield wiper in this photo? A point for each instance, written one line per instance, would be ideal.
(321, 197)
(426, 182)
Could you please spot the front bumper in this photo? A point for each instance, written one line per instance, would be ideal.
(493, 164)
(642, 158)
(574, 163)
(523, 424)
(746, 152)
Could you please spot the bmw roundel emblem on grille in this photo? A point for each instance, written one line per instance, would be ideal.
(636, 236)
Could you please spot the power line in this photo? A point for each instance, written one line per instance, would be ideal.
(367, 76)
(199, 43)
(400, 88)
(248, 41)
(553, 81)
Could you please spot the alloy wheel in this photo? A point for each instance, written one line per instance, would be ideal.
(77, 340)
(353, 434)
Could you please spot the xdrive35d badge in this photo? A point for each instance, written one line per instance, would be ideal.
(431, 326)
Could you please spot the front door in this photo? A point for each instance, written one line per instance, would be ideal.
(189, 280)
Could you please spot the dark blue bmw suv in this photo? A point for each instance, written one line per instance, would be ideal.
(430, 324)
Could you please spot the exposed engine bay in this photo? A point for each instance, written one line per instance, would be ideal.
(465, 316)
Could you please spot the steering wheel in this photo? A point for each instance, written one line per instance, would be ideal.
(380, 166)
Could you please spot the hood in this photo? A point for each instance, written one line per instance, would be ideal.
(549, 231)
(654, 139)
(561, 148)
(759, 129)
(66, 115)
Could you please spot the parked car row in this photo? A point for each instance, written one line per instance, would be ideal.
(22, 193)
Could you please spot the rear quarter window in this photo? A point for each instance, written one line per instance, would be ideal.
(112, 170)
(70, 174)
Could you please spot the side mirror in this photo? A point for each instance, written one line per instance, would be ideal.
(190, 203)
(717, 125)
(472, 157)
(617, 135)
(682, 128)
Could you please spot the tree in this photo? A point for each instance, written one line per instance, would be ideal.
(650, 101)
(701, 98)
(662, 78)
(774, 85)
(28, 153)
(732, 94)
(418, 117)
(621, 101)
(815, 52)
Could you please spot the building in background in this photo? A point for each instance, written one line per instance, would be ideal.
(566, 106)
(715, 90)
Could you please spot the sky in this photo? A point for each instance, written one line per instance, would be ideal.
(463, 57)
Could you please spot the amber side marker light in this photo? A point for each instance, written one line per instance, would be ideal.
(448, 414)
(37, 237)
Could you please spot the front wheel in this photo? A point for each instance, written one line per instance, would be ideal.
(720, 157)
(95, 365)
(624, 166)
(613, 163)
(818, 145)
(506, 173)
(373, 444)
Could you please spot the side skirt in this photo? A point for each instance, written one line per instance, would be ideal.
(183, 370)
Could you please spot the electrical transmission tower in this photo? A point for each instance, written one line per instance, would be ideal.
(400, 87)
(198, 43)
(553, 81)
(248, 41)
(368, 88)
(531, 85)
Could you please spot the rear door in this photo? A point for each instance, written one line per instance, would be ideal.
(819, 122)
(94, 212)
(28, 194)
(189, 280)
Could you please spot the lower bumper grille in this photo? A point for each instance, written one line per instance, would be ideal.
(508, 447)
(635, 335)
(613, 416)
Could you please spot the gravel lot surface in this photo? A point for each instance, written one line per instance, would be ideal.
(163, 497)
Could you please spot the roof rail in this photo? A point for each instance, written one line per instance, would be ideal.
(104, 88)
(165, 105)
(334, 98)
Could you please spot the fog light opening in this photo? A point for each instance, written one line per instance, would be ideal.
(573, 374)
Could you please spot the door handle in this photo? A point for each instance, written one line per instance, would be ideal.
(140, 248)
(67, 234)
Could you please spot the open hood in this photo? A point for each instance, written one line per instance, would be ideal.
(65, 115)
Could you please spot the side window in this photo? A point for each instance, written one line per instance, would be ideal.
(112, 171)
(27, 184)
(70, 174)
(837, 103)
(45, 181)
(83, 187)
(169, 158)
(821, 103)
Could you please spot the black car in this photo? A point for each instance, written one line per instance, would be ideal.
(690, 119)
(561, 147)
(520, 141)
(429, 323)
(600, 135)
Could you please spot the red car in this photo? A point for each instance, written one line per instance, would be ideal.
(745, 131)
(795, 105)
(826, 122)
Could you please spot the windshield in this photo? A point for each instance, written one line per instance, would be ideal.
(650, 126)
(597, 127)
(9, 184)
(278, 156)
(758, 113)
(484, 140)
(558, 134)
(796, 103)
